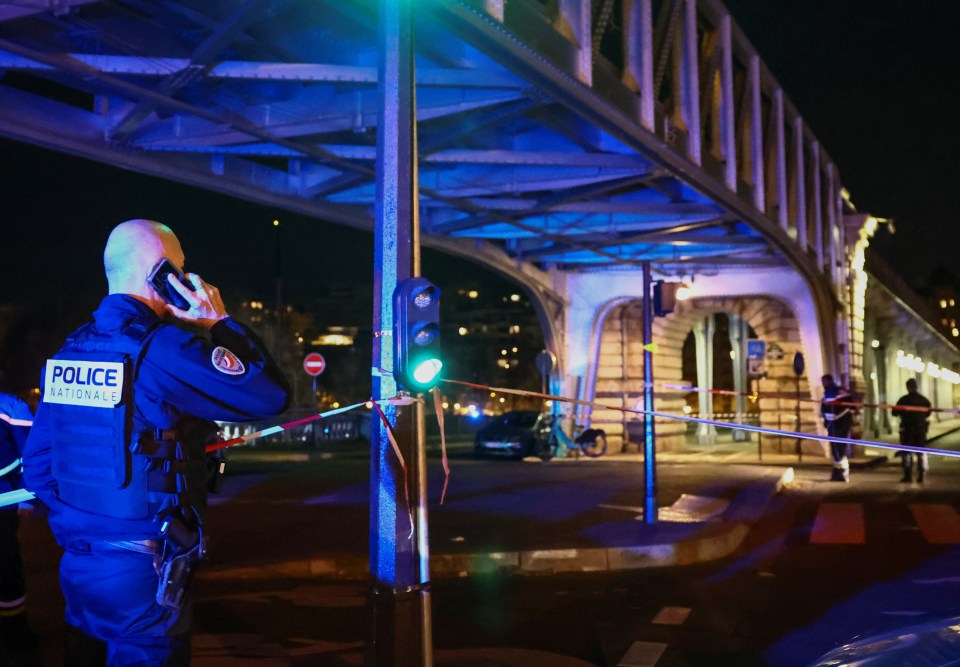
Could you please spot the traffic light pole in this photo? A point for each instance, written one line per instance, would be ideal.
(650, 510)
(399, 624)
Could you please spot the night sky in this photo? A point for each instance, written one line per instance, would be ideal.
(876, 81)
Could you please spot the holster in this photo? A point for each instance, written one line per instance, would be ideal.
(184, 549)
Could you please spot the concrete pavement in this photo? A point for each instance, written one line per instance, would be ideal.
(508, 528)
(291, 539)
(573, 518)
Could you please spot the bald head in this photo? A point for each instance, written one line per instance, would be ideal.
(133, 249)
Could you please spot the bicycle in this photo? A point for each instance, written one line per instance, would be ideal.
(592, 442)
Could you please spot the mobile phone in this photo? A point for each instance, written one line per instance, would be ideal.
(158, 278)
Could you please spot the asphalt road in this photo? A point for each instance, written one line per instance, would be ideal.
(825, 563)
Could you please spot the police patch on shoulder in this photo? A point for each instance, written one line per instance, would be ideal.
(226, 361)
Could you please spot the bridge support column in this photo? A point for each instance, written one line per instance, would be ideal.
(703, 340)
(738, 343)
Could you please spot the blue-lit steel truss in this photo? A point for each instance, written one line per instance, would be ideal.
(570, 134)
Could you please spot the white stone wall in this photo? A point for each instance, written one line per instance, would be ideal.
(772, 321)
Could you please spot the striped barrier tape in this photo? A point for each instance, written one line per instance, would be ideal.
(22, 495)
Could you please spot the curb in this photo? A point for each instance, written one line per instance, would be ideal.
(720, 542)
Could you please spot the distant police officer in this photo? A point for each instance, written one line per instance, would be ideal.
(913, 430)
(15, 631)
(838, 419)
(117, 447)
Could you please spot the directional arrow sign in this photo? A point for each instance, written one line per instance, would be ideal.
(314, 364)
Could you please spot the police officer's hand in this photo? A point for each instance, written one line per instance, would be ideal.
(206, 306)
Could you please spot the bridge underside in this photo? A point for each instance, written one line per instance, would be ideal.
(561, 148)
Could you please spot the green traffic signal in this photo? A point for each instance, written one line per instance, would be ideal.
(416, 323)
(427, 371)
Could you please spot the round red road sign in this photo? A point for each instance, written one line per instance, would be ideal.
(314, 363)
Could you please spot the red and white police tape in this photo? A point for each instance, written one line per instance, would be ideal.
(22, 495)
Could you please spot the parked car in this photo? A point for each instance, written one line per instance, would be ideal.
(932, 644)
(515, 434)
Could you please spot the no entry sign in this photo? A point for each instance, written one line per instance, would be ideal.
(314, 363)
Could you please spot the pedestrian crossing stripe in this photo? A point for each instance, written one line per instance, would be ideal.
(839, 523)
(843, 523)
(940, 523)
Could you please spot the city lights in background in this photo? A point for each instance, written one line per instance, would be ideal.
(333, 339)
(917, 365)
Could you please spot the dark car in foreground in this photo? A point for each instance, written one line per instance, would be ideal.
(514, 434)
(931, 644)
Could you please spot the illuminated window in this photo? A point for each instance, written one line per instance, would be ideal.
(955, 332)
(952, 302)
(463, 331)
(514, 328)
(473, 294)
(516, 297)
(943, 303)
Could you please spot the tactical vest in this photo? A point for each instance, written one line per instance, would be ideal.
(107, 459)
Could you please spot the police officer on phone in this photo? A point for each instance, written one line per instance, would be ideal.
(117, 446)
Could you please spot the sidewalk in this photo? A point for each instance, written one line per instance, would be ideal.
(566, 516)
(291, 533)
(576, 518)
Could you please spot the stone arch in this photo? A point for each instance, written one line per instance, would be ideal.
(619, 379)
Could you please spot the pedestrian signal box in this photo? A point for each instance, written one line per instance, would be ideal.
(665, 297)
(416, 334)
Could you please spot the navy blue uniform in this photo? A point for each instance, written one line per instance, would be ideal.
(107, 493)
(913, 431)
(15, 421)
(838, 420)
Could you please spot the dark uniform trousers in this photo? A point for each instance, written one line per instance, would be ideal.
(145, 634)
(12, 588)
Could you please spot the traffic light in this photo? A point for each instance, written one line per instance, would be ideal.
(416, 334)
(665, 297)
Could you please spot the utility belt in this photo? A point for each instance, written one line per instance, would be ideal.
(152, 547)
(829, 417)
(184, 544)
(175, 557)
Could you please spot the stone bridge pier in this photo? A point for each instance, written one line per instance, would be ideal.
(602, 353)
